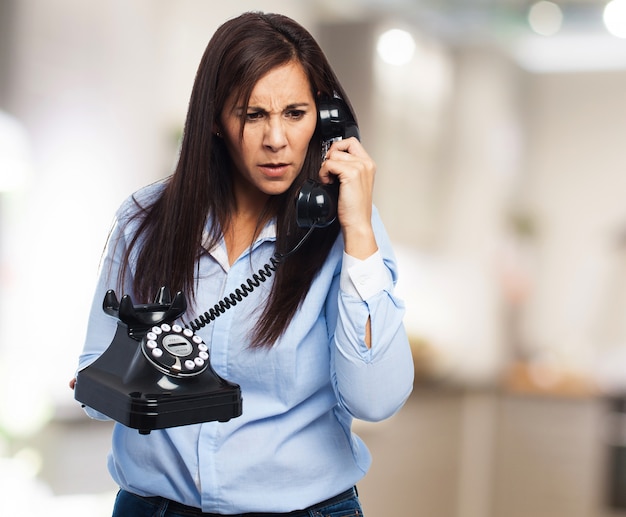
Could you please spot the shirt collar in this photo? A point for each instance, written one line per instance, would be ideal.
(219, 253)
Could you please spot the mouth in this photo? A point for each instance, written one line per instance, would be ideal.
(274, 169)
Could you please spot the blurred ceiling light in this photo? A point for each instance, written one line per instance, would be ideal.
(545, 18)
(614, 16)
(396, 47)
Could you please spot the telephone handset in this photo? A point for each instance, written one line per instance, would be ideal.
(155, 374)
(316, 204)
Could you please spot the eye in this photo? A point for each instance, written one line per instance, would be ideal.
(251, 116)
(295, 114)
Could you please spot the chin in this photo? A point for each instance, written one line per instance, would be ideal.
(276, 189)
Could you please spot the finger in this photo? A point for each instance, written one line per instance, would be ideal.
(348, 145)
(337, 165)
(347, 165)
(344, 159)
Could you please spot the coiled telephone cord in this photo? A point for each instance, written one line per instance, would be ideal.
(246, 287)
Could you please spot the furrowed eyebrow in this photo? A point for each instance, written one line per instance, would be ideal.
(295, 105)
(298, 105)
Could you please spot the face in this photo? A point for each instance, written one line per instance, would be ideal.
(279, 123)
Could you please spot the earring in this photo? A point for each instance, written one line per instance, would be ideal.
(218, 134)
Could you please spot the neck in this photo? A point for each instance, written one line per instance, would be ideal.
(245, 222)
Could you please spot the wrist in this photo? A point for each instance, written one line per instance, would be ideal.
(360, 243)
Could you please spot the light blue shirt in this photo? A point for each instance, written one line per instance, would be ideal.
(293, 445)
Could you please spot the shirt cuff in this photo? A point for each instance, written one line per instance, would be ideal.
(364, 278)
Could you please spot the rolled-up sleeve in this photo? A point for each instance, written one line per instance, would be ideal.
(371, 383)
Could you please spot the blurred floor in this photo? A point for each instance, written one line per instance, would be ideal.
(448, 453)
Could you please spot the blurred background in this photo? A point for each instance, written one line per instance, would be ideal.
(499, 130)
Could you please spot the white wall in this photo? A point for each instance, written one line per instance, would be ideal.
(576, 184)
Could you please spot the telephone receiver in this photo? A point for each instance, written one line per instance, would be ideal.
(155, 374)
(316, 203)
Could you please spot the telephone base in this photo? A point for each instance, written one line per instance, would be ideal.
(124, 386)
(149, 411)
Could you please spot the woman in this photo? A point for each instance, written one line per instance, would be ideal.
(319, 343)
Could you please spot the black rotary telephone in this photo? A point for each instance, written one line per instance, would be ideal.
(156, 374)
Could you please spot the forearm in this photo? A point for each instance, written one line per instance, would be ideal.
(372, 383)
(373, 361)
(360, 243)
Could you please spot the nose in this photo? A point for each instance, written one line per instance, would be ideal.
(275, 136)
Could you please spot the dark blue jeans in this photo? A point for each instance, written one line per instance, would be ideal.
(131, 505)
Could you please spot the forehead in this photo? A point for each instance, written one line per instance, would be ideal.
(285, 83)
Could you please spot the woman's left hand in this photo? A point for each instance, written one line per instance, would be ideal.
(348, 161)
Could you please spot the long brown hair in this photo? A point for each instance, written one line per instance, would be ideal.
(200, 190)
